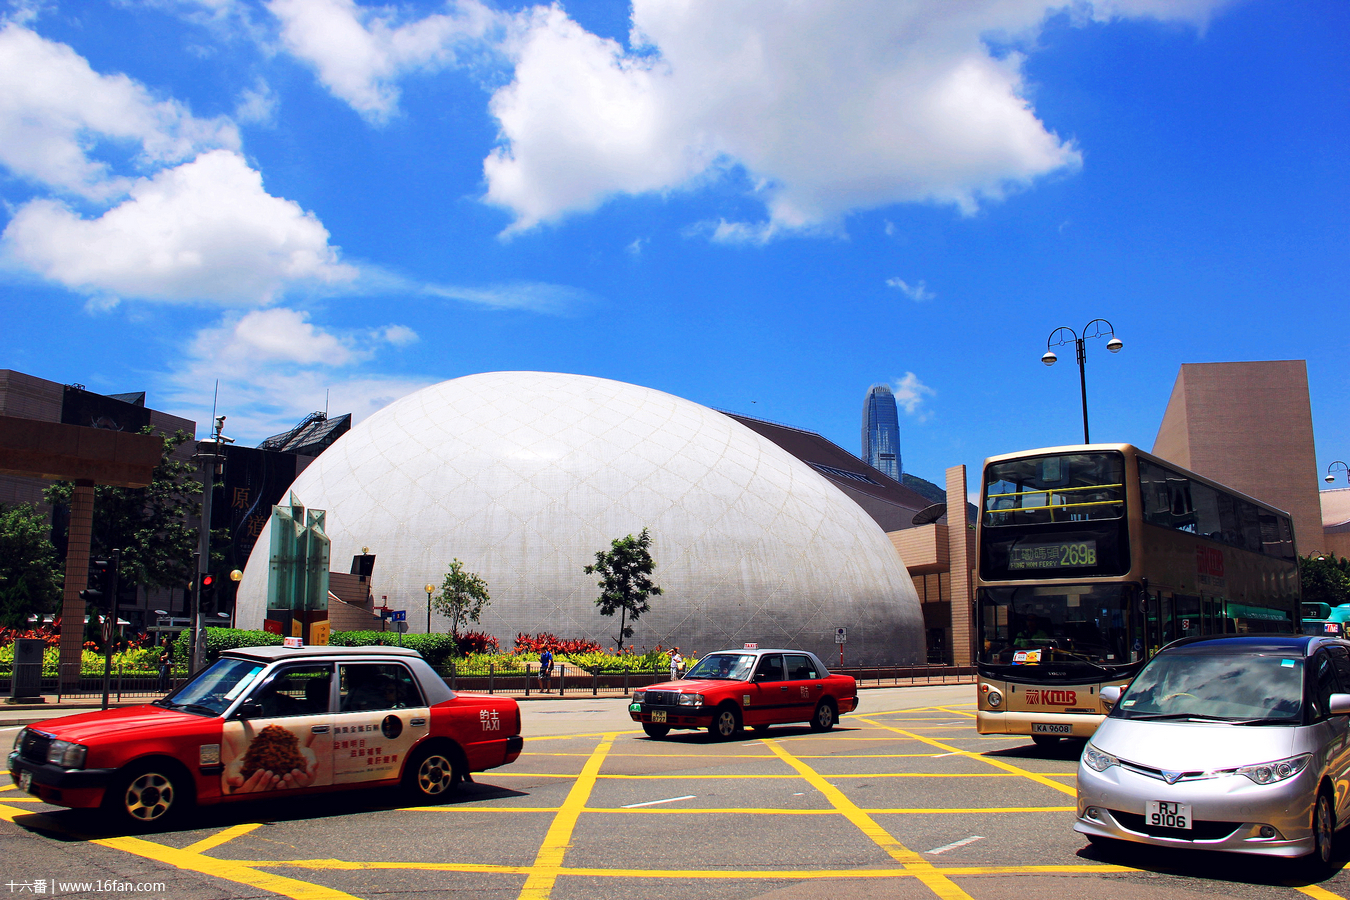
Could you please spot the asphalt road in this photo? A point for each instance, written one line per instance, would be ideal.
(902, 800)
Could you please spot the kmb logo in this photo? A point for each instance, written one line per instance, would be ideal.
(1209, 562)
(1052, 698)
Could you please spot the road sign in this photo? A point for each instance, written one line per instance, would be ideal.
(841, 635)
(399, 615)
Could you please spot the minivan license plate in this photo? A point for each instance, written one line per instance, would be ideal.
(26, 782)
(658, 715)
(1161, 814)
(1043, 728)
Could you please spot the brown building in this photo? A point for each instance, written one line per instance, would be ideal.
(1248, 425)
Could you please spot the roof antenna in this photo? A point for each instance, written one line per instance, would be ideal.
(325, 403)
(214, 397)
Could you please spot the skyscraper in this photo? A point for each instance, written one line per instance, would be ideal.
(881, 431)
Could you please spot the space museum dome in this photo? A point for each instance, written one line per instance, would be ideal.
(525, 475)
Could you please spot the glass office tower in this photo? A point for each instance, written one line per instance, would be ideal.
(881, 431)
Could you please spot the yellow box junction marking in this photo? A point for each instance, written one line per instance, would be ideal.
(934, 880)
(229, 870)
(223, 837)
(544, 873)
(997, 763)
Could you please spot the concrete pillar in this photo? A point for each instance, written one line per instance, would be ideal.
(961, 547)
(77, 579)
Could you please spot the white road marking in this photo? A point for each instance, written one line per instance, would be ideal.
(961, 843)
(654, 802)
(940, 755)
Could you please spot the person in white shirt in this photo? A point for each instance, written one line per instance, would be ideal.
(676, 664)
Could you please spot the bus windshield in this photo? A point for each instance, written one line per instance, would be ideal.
(1060, 624)
(1071, 487)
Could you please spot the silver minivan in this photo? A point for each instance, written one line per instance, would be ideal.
(1235, 743)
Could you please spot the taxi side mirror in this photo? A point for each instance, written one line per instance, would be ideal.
(250, 709)
(1339, 705)
(1112, 693)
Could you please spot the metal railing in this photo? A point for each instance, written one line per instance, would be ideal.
(566, 681)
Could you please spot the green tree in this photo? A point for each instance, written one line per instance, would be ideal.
(625, 580)
(1325, 579)
(462, 599)
(30, 576)
(150, 525)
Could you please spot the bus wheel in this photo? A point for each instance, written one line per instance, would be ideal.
(1045, 740)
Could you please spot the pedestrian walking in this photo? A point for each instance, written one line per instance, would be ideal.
(545, 671)
(165, 663)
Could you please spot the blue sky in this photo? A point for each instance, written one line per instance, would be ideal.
(763, 208)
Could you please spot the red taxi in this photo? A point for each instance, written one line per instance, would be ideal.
(759, 688)
(265, 721)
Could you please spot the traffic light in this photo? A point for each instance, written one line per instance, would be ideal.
(99, 581)
(206, 594)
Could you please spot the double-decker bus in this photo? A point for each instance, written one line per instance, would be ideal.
(1091, 558)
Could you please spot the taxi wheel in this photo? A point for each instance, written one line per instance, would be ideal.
(655, 731)
(432, 776)
(726, 723)
(148, 795)
(823, 718)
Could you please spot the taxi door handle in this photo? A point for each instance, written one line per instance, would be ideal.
(783, 688)
(319, 729)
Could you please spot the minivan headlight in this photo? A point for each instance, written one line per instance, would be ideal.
(1279, 770)
(67, 755)
(691, 699)
(1097, 760)
(18, 738)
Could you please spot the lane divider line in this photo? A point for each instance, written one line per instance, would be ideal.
(956, 844)
(548, 861)
(654, 802)
(931, 878)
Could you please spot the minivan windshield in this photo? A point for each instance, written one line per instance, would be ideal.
(1251, 688)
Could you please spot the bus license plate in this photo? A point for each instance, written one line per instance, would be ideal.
(658, 715)
(1161, 814)
(1043, 728)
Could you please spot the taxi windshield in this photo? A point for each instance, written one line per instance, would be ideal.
(723, 667)
(1253, 688)
(214, 688)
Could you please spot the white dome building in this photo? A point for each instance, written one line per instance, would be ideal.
(525, 475)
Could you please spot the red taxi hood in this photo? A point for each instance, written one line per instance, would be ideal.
(112, 724)
(697, 685)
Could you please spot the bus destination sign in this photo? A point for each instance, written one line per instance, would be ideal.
(1059, 555)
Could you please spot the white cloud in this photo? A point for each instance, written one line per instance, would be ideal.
(910, 393)
(919, 292)
(399, 335)
(202, 231)
(257, 104)
(56, 111)
(275, 366)
(359, 53)
(825, 112)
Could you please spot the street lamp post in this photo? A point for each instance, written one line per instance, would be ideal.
(430, 589)
(1332, 478)
(1097, 328)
